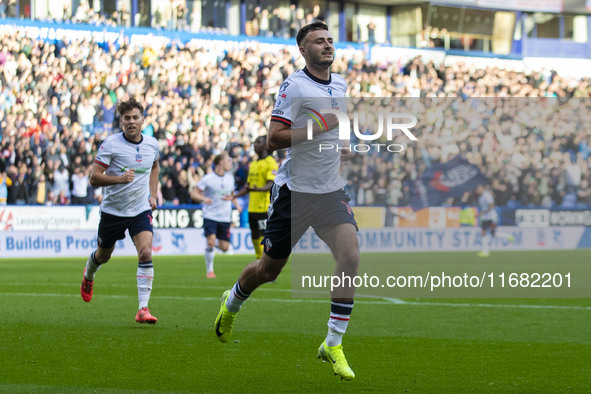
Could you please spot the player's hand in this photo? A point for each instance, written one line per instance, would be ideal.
(346, 155)
(207, 201)
(153, 204)
(128, 176)
(228, 197)
(331, 121)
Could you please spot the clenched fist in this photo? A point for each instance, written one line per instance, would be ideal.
(128, 176)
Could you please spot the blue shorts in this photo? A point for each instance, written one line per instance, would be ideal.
(220, 229)
(112, 228)
(310, 210)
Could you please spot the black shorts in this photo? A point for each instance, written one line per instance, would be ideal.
(220, 229)
(488, 225)
(316, 210)
(112, 228)
(258, 223)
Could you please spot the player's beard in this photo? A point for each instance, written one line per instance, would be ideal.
(319, 62)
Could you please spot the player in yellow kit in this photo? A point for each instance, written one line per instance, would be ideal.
(259, 182)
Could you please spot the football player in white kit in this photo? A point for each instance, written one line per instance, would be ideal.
(127, 168)
(216, 191)
(313, 188)
(488, 220)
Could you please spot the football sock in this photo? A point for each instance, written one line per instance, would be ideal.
(258, 248)
(145, 276)
(340, 312)
(209, 254)
(236, 298)
(485, 242)
(91, 267)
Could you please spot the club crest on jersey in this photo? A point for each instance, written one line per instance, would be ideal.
(138, 157)
(334, 104)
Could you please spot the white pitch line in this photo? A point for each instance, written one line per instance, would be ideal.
(385, 301)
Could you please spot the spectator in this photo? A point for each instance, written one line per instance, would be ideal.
(79, 186)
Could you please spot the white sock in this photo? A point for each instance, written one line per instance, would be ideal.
(209, 255)
(485, 242)
(91, 267)
(145, 276)
(340, 312)
(236, 298)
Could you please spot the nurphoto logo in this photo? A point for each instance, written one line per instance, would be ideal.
(388, 122)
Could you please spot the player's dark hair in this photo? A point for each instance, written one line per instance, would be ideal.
(308, 28)
(125, 106)
(218, 158)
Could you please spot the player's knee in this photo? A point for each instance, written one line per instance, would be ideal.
(145, 253)
(224, 247)
(349, 258)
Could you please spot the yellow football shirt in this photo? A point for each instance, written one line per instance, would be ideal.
(261, 172)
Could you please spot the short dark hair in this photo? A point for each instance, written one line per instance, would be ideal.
(125, 106)
(218, 158)
(308, 28)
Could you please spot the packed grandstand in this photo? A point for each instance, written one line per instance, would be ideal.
(57, 104)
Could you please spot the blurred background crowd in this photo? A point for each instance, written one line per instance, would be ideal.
(57, 104)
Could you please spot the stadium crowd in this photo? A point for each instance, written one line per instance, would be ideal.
(57, 104)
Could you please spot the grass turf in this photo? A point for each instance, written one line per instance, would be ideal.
(52, 341)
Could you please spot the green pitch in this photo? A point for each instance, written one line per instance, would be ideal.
(53, 342)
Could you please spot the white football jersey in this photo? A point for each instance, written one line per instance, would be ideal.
(215, 187)
(484, 201)
(117, 155)
(306, 169)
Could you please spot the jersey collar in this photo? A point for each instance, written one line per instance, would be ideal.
(130, 141)
(315, 79)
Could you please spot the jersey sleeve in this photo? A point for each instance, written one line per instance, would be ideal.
(283, 110)
(103, 156)
(202, 184)
(157, 150)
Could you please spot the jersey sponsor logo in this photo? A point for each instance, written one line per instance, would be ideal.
(138, 170)
(329, 91)
(277, 112)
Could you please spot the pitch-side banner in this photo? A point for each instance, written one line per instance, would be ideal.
(82, 243)
(459, 240)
